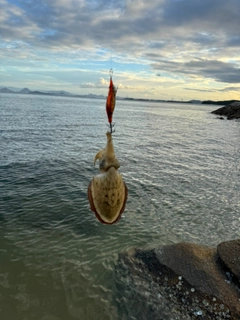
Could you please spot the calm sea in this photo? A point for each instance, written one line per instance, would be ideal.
(182, 168)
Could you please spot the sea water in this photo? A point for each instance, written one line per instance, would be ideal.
(180, 163)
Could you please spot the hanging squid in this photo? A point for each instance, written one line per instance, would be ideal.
(107, 192)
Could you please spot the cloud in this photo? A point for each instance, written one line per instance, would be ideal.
(217, 70)
(200, 90)
(213, 69)
(101, 83)
(230, 89)
(233, 41)
(87, 85)
(184, 40)
(75, 22)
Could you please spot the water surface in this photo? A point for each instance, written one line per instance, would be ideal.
(181, 165)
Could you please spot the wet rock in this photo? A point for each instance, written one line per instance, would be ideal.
(231, 111)
(229, 253)
(139, 295)
(179, 281)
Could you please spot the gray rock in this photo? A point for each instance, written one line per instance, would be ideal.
(231, 111)
(139, 296)
(229, 253)
(200, 267)
(179, 281)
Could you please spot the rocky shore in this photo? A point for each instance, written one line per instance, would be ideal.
(231, 111)
(179, 281)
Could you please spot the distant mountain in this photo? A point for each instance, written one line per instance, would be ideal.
(28, 91)
(64, 93)
(25, 90)
(195, 101)
(59, 93)
(95, 96)
(14, 89)
(6, 90)
(224, 102)
(39, 92)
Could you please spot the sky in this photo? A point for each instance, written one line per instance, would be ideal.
(158, 49)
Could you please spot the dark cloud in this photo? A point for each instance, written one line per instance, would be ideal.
(217, 70)
(204, 39)
(229, 89)
(233, 41)
(200, 90)
(214, 15)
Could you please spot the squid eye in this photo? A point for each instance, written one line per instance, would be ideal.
(102, 164)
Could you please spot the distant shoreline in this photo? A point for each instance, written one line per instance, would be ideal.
(93, 96)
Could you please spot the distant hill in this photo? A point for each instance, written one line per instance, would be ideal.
(14, 89)
(64, 93)
(28, 91)
(6, 90)
(224, 102)
(59, 93)
(25, 90)
(90, 95)
(195, 101)
(39, 92)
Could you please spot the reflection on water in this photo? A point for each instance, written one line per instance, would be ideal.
(180, 163)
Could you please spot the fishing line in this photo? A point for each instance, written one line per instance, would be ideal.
(111, 46)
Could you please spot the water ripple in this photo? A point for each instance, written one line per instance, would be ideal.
(182, 171)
